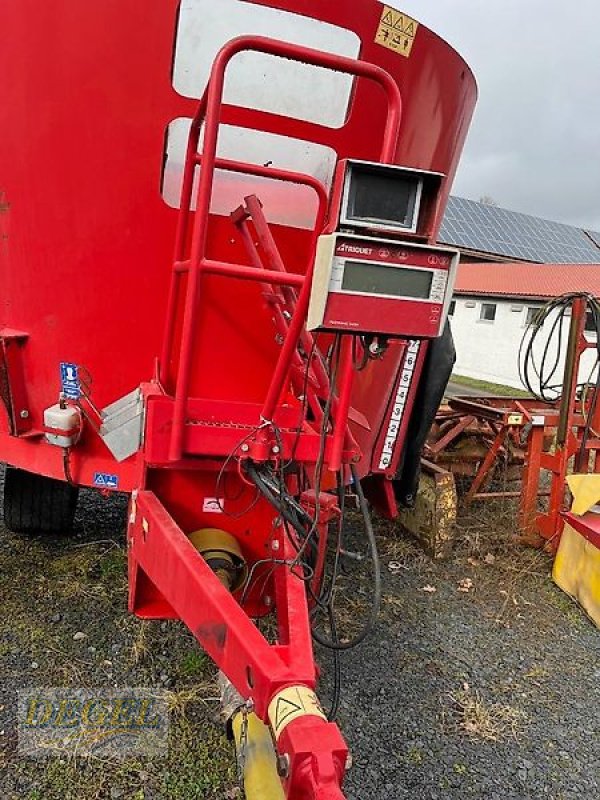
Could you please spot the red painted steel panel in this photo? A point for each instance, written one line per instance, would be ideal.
(87, 240)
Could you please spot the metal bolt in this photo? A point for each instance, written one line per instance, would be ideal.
(244, 448)
(268, 600)
(275, 449)
(283, 765)
(275, 544)
(24, 414)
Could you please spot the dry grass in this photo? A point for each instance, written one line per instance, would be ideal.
(465, 711)
(503, 566)
(488, 526)
(140, 649)
(392, 602)
(398, 551)
(179, 700)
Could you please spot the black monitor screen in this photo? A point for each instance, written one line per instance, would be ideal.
(360, 276)
(382, 196)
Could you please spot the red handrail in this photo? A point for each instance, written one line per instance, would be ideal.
(210, 106)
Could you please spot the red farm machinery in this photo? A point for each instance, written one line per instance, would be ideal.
(222, 294)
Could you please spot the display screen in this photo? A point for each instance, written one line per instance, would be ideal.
(382, 196)
(360, 276)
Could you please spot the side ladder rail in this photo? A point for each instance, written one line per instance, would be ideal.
(210, 108)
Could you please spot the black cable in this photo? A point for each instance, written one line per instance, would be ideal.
(221, 475)
(284, 503)
(325, 597)
(309, 360)
(538, 378)
(542, 386)
(376, 600)
(360, 364)
(336, 694)
(333, 360)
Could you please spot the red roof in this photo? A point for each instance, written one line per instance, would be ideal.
(542, 281)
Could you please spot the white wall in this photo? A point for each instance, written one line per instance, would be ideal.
(489, 350)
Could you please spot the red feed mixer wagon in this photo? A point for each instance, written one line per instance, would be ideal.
(222, 294)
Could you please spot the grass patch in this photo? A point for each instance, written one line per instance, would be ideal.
(194, 664)
(181, 702)
(84, 583)
(487, 387)
(415, 757)
(465, 711)
(199, 766)
(566, 605)
(113, 564)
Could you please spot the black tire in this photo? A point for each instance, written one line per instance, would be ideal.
(34, 504)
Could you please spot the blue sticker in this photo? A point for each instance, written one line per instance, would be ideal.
(69, 379)
(106, 481)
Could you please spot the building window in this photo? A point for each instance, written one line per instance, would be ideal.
(488, 312)
(590, 323)
(452, 308)
(532, 314)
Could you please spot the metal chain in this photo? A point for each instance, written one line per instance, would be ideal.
(241, 761)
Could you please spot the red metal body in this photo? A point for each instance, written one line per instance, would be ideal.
(89, 278)
(80, 215)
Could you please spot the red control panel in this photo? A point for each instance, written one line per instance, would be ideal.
(367, 285)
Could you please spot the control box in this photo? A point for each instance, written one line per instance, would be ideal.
(380, 286)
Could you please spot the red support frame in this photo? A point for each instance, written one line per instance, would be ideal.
(161, 553)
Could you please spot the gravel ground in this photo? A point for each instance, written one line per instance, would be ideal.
(482, 680)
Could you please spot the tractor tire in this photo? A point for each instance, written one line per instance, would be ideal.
(34, 504)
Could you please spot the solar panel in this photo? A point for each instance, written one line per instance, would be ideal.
(594, 236)
(510, 234)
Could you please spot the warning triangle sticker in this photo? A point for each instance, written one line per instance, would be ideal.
(410, 31)
(283, 710)
(399, 24)
(388, 19)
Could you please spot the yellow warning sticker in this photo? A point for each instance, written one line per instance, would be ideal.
(291, 703)
(396, 31)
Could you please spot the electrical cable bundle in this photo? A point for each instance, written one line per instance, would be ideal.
(546, 334)
(302, 532)
(542, 376)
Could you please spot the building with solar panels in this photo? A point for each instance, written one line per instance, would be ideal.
(536, 260)
(486, 233)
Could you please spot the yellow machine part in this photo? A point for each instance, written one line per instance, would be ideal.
(261, 781)
(432, 520)
(577, 571)
(216, 545)
(585, 490)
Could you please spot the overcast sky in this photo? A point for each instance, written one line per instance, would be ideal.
(534, 144)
